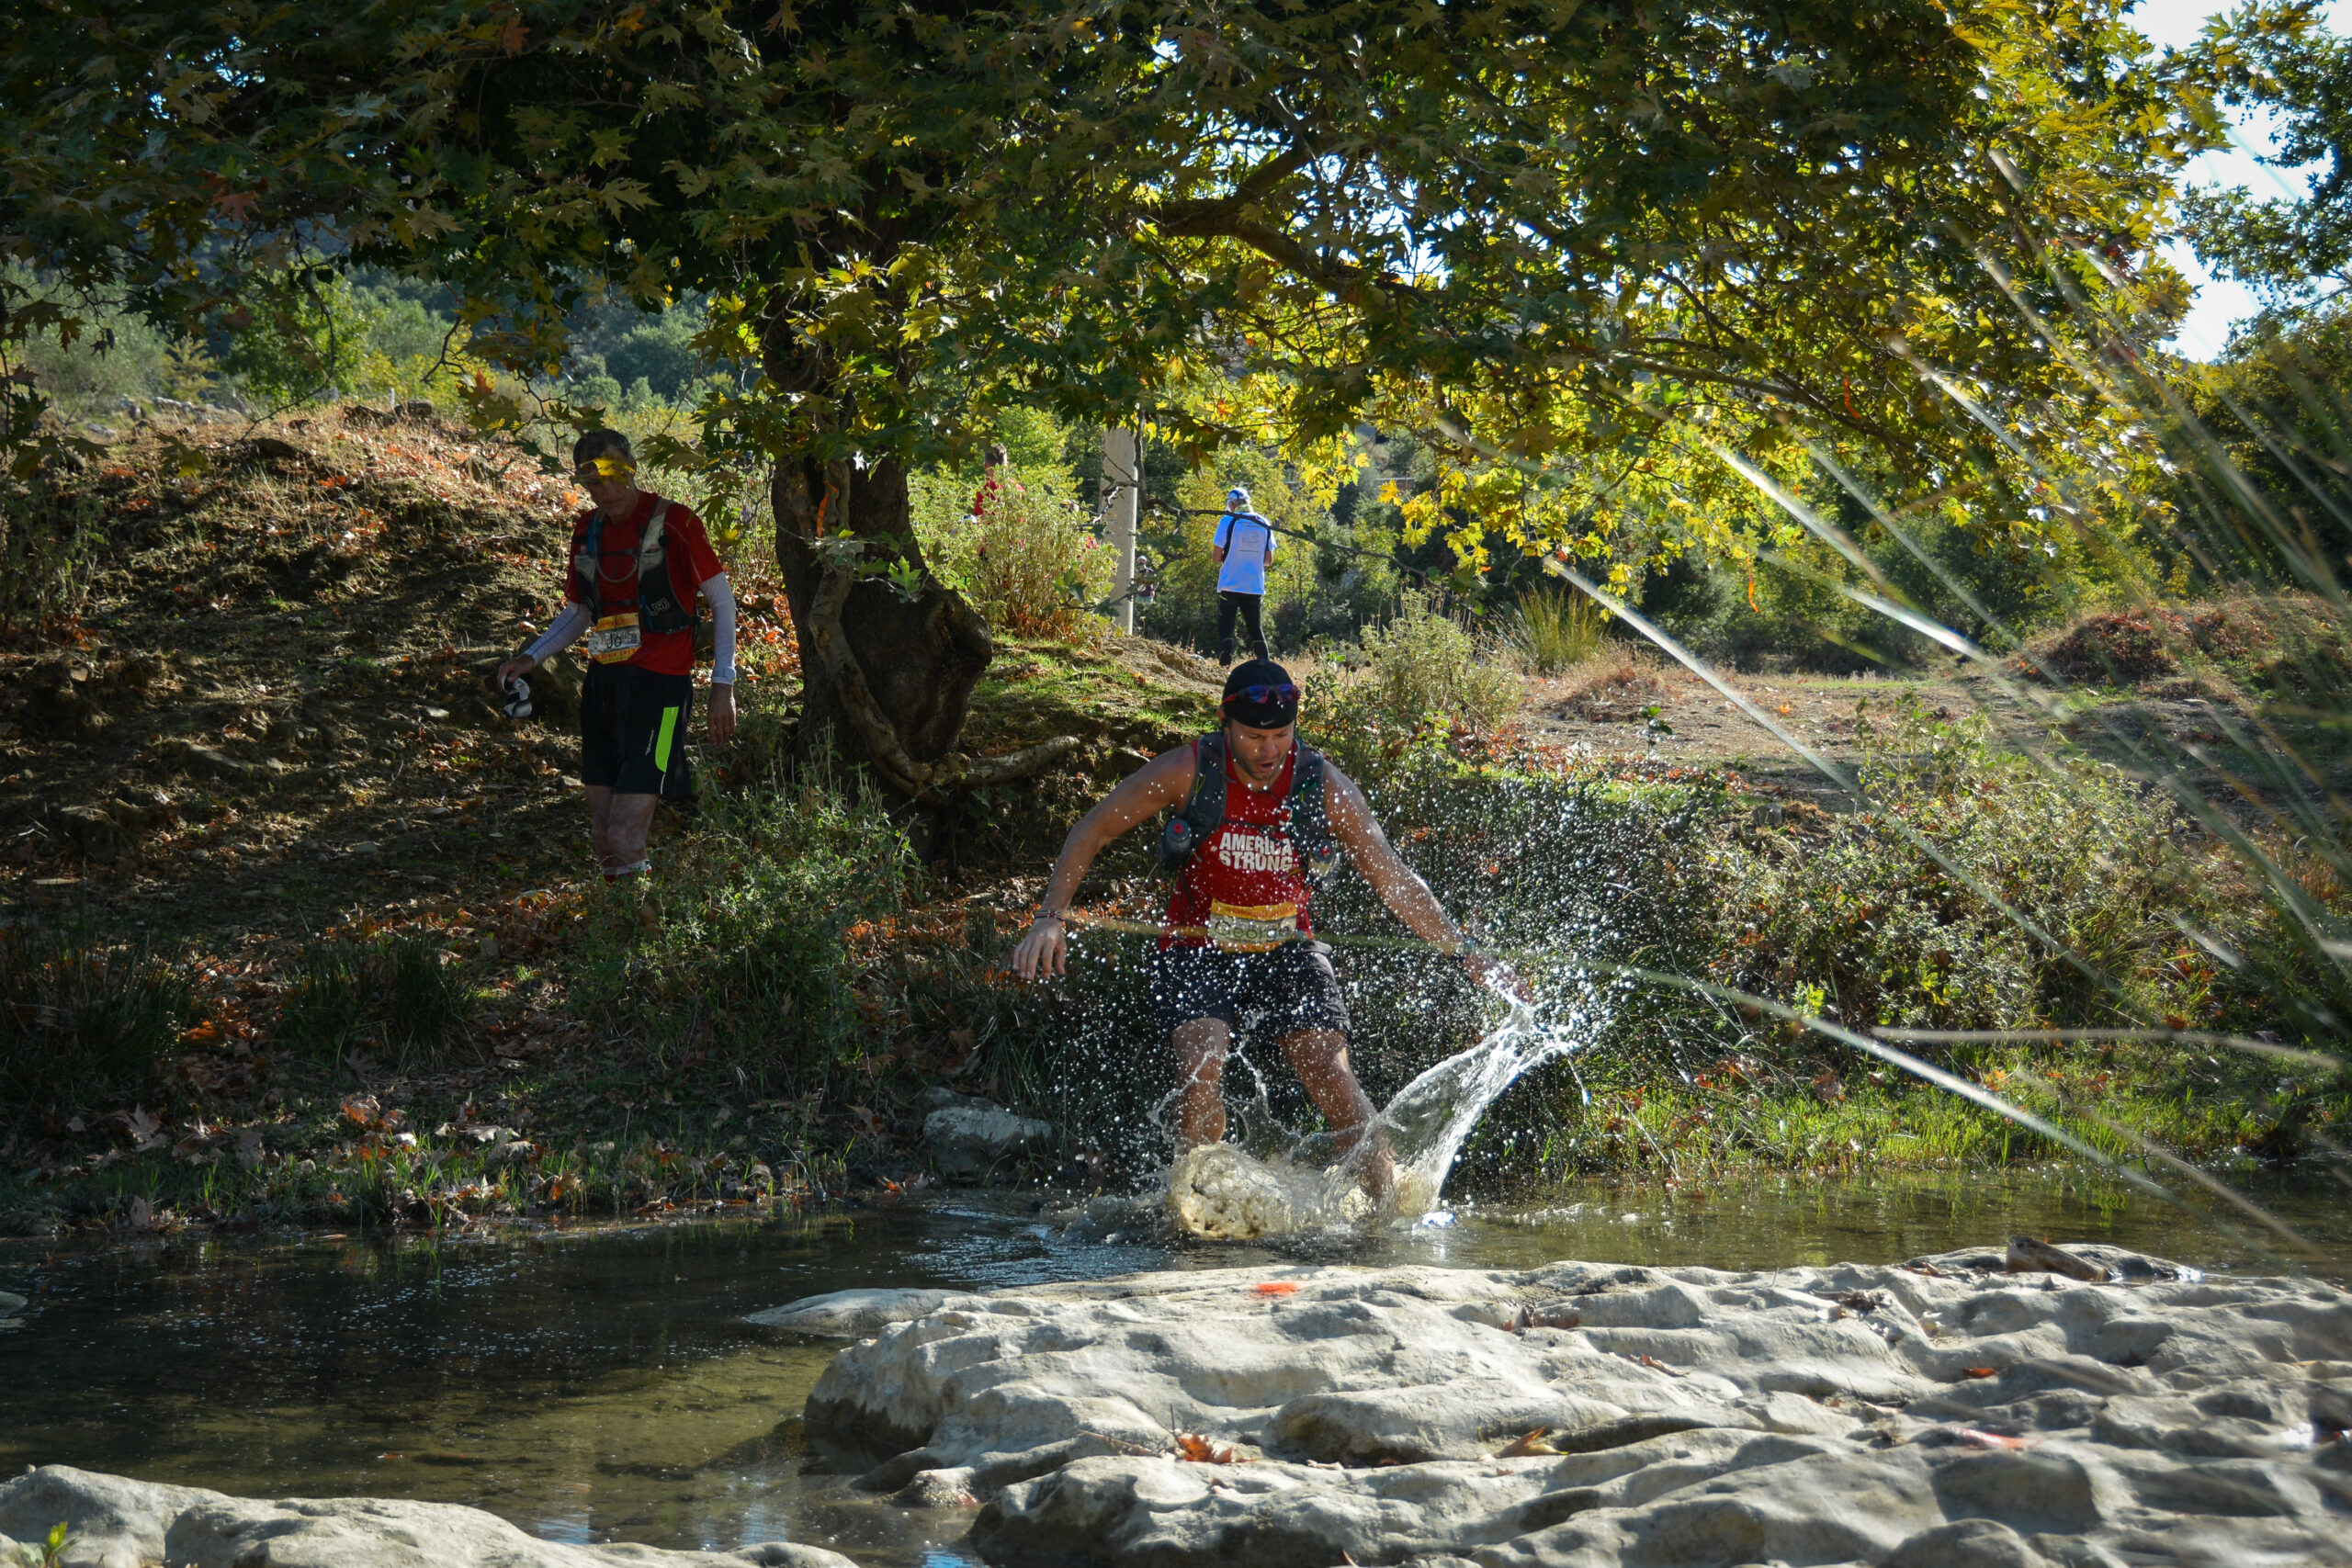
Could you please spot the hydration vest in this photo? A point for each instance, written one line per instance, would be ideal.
(1305, 820)
(658, 608)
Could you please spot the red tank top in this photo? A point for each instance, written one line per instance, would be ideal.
(1247, 871)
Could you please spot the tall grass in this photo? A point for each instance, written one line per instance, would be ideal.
(424, 1001)
(1555, 629)
(399, 994)
(82, 1016)
(325, 1004)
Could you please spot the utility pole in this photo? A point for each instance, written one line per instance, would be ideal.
(1121, 494)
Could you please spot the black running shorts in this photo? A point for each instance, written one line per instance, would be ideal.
(633, 730)
(1285, 990)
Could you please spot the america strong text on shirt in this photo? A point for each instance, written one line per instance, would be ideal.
(1252, 852)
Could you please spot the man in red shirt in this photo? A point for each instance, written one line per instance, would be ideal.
(637, 564)
(1237, 935)
(992, 479)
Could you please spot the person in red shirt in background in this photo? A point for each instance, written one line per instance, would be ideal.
(993, 482)
(635, 568)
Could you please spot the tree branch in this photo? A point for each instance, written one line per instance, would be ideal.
(1250, 190)
(1354, 284)
(1227, 216)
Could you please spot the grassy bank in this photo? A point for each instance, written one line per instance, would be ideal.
(1910, 918)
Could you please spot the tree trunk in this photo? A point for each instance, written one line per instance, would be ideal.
(888, 679)
(888, 654)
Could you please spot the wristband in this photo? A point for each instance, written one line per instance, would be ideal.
(1044, 914)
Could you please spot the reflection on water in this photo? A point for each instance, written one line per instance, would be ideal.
(601, 1385)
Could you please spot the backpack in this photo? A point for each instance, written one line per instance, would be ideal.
(657, 608)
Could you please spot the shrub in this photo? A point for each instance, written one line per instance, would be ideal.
(1556, 628)
(751, 947)
(77, 1016)
(50, 540)
(2283, 644)
(1027, 562)
(1867, 923)
(1424, 672)
(1616, 686)
(2122, 647)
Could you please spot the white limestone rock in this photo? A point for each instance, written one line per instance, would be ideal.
(115, 1522)
(853, 1314)
(1939, 1412)
(974, 1138)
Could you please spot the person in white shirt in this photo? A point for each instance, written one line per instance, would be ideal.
(1244, 547)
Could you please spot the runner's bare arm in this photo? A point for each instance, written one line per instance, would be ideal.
(1150, 789)
(722, 595)
(1399, 885)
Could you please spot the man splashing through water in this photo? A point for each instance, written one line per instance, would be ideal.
(1260, 818)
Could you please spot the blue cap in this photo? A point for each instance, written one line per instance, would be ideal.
(1238, 494)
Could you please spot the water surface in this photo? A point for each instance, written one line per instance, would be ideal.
(601, 1385)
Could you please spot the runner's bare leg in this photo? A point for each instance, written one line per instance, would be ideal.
(1320, 1056)
(1201, 1045)
(618, 826)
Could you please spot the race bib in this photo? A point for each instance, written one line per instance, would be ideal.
(1252, 928)
(614, 638)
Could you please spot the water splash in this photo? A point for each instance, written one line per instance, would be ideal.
(1221, 1190)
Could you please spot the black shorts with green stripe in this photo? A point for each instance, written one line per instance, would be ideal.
(633, 731)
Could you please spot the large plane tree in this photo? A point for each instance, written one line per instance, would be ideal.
(1576, 244)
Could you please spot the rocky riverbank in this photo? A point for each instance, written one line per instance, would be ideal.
(2089, 1408)
(111, 1522)
(1941, 1414)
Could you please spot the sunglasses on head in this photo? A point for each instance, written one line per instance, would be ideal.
(1284, 694)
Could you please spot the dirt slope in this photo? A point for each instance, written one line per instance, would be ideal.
(272, 714)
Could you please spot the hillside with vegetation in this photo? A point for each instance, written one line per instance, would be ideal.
(301, 925)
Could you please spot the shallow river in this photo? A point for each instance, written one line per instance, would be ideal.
(598, 1385)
